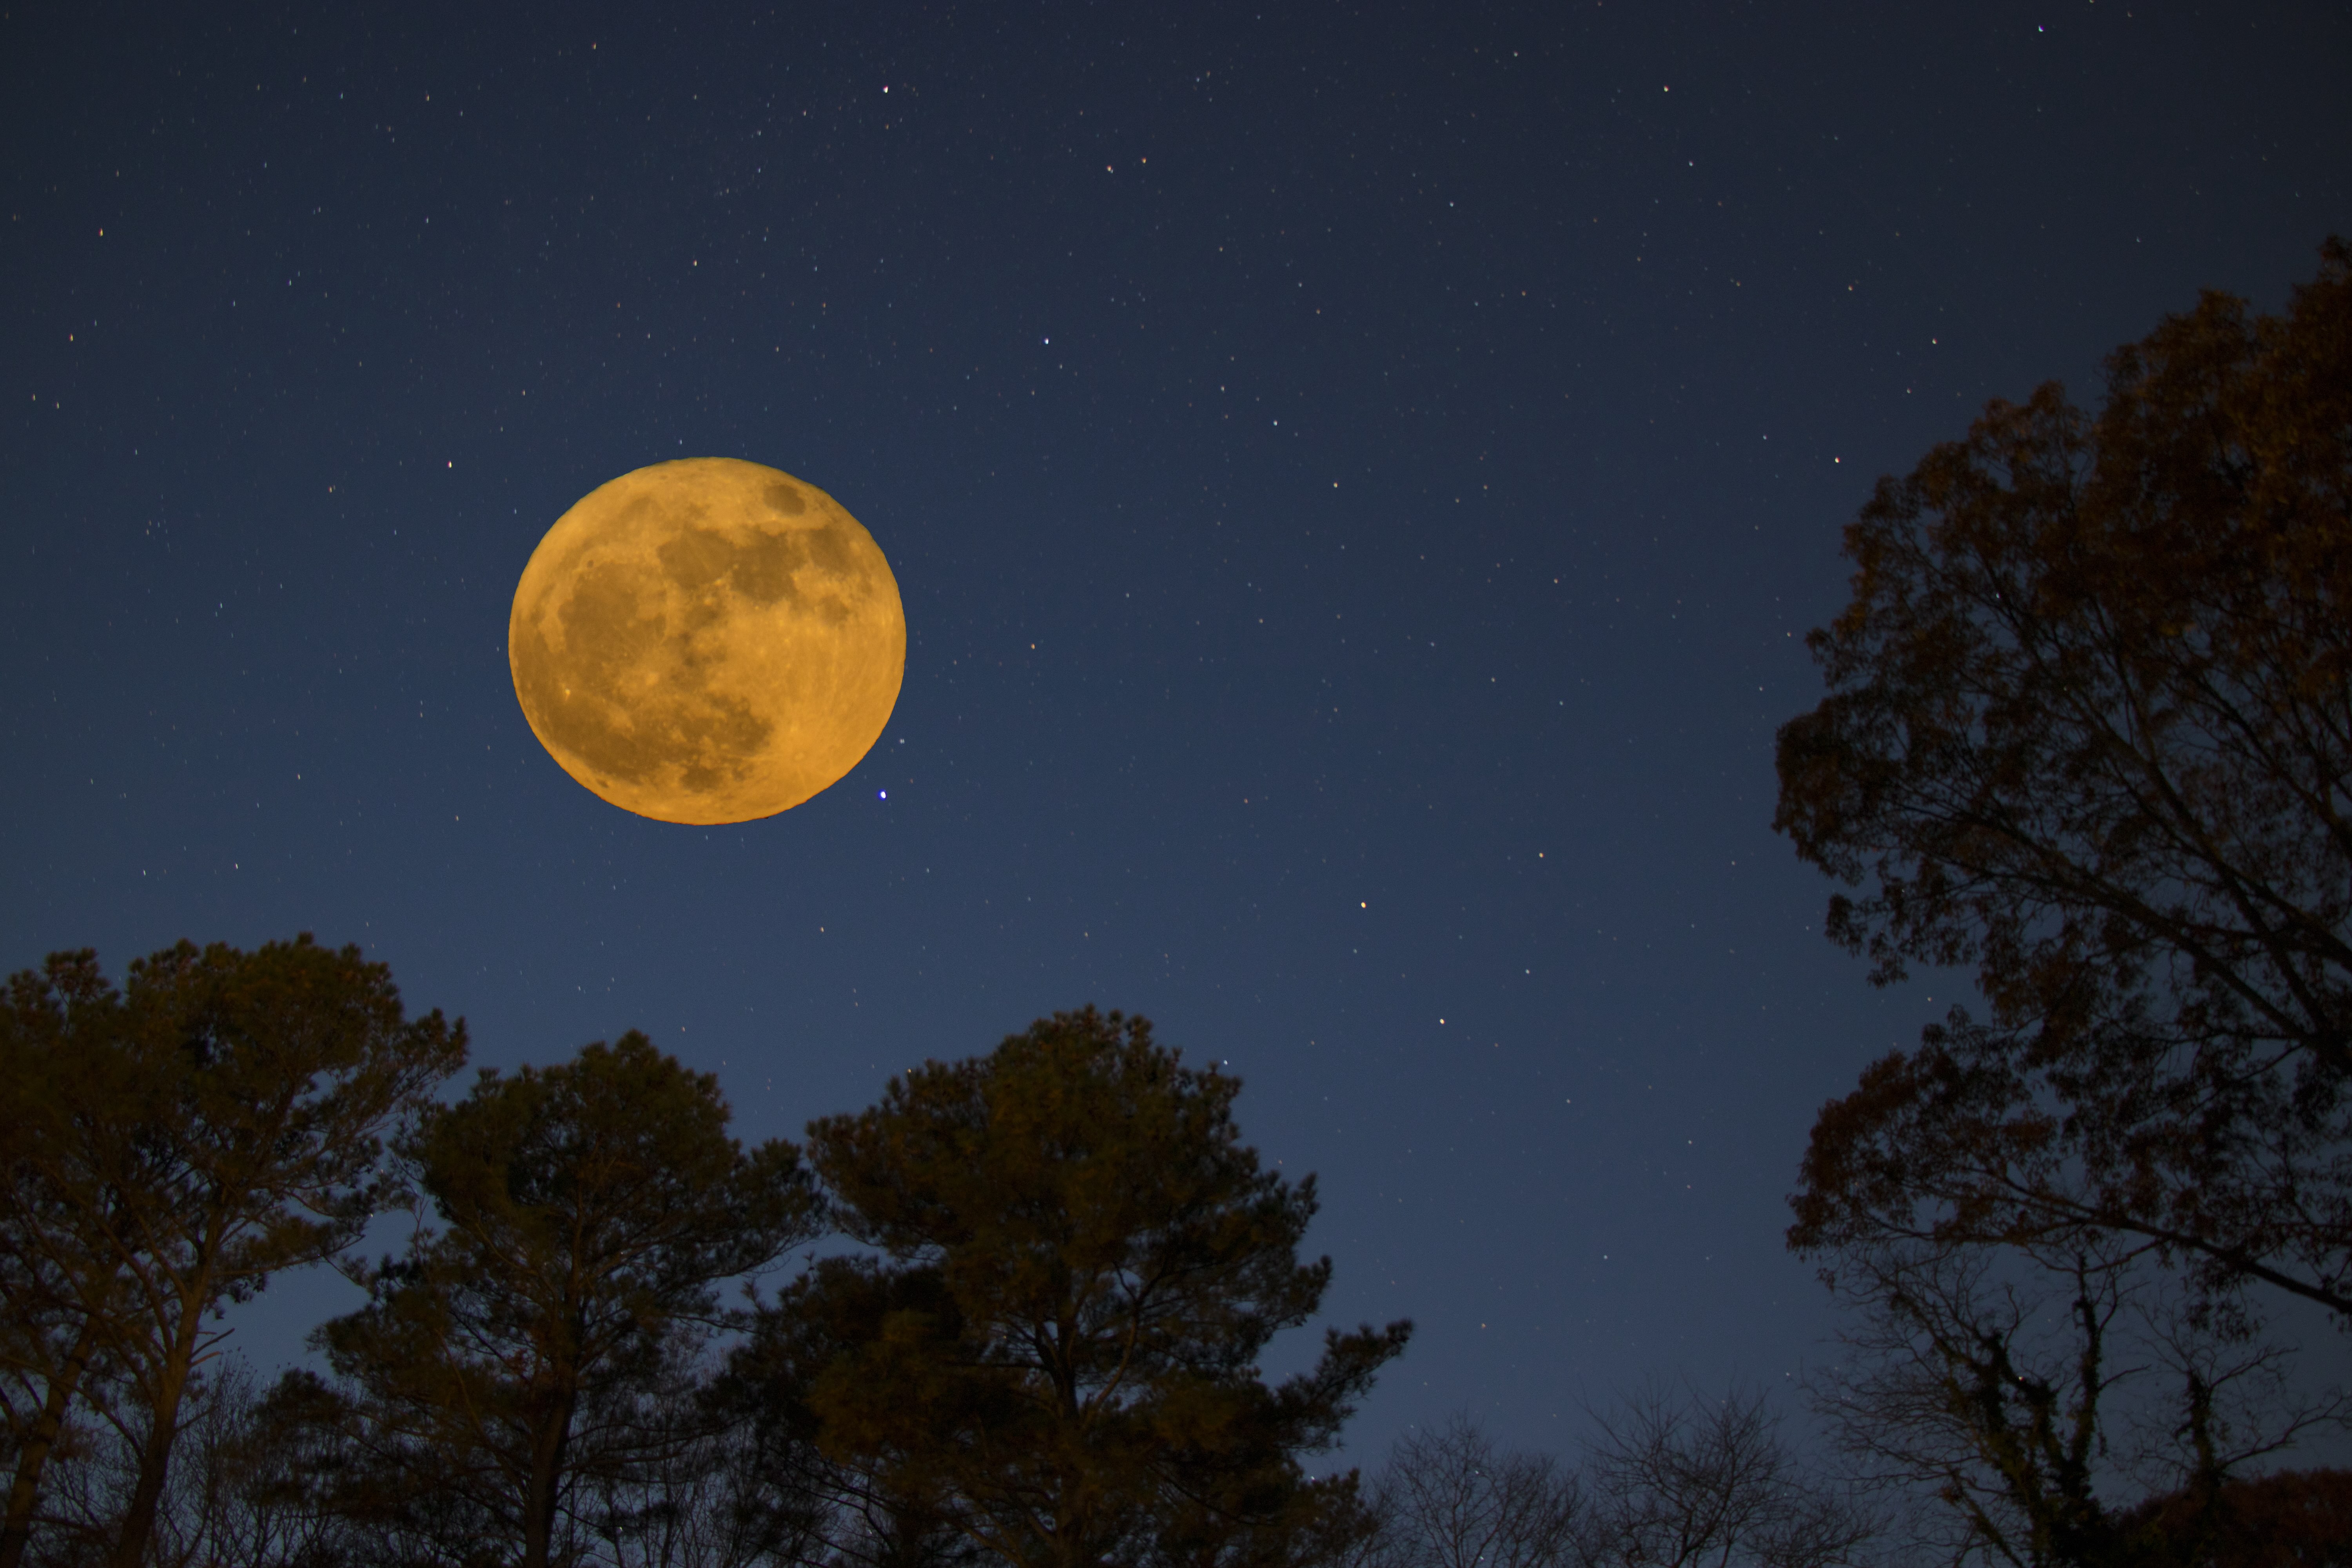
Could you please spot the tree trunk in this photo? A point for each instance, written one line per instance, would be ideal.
(26, 1489)
(548, 1448)
(154, 1463)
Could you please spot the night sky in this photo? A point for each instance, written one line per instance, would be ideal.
(1360, 478)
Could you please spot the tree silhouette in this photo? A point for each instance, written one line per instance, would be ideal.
(2089, 731)
(1449, 1499)
(588, 1213)
(1055, 1354)
(1682, 1482)
(57, 1026)
(2033, 1396)
(172, 1147)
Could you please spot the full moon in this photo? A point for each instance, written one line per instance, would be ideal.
(707, 641)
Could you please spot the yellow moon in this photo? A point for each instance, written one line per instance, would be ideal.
(707, 641)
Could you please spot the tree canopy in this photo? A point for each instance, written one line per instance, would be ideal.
(1053, 1356)
(2089, 733)
(170, 1147)
(588, 1214)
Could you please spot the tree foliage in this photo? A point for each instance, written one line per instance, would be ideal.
(2089, 731)
(171, 1148)
(1055, 1354)
(1048, 1357)
(56, 1030)
(522, 1353)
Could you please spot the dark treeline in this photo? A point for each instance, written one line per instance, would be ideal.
(1043, 1353)
(1046, 1352)
(2088, 733)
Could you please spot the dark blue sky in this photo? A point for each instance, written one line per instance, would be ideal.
(1359, 477)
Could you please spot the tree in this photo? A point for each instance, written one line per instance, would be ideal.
(527, 1347)
(2089, 730)
(1447, 1499)
(1665, 1480)
(2028, 1394)
(289, 1453)
(1055, 1354)
(1677, 1483)
(177, 1144)
(814, 1506)
(57, 1026)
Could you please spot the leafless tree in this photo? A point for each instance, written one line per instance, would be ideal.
(1709, 1479)
(1666, 1481)
(2037, 1397)
(1449, 1500)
